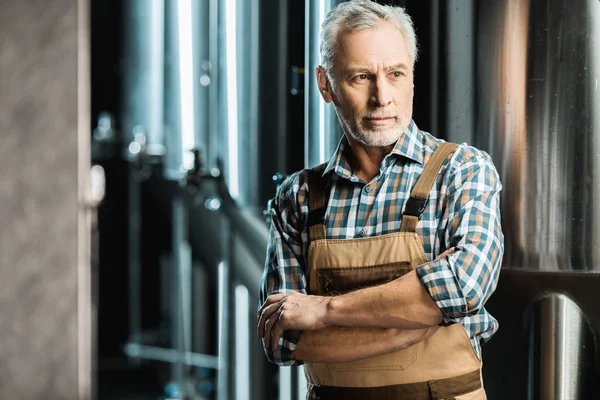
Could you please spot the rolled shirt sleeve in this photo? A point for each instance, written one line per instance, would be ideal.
(284, 269)
(461, 282)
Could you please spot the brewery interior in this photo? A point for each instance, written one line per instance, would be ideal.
(142, 139)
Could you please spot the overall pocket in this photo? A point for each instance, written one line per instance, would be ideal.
(337, 281)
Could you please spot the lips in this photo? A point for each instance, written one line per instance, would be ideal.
(379, 121)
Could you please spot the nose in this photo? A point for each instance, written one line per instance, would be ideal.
(382, 93)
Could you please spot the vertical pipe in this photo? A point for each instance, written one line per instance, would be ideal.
(202, 73)
(180, 270)
(185, 276)
(223, 332)
(156, 71)
(213, 89)
(561, 350)
(144, 59)
(251, 189)
(181, 86)
(182, 64)
(174, 124)
(460, 50)
(285, 383)
(143, 106)
(232, 98)
(187, 83)
(321, 129)
(134, 246)
(282, 84)
(242, 343)
(302, 384)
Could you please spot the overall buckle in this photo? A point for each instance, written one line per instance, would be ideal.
(415, 207)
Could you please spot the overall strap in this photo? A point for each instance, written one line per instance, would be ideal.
(316, 203)
(415, 205)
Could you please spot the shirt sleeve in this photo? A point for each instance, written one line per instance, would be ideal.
(285, 261)
(461, 282)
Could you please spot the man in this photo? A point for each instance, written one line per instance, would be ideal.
(380, 262)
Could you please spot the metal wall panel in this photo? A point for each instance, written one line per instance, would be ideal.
(537, 114)
(44, 167)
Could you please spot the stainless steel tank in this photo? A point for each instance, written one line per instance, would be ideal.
(536, 109)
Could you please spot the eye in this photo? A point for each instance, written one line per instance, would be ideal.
(398, 74)
(362, 77)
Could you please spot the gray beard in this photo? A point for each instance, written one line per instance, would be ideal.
(379, 139)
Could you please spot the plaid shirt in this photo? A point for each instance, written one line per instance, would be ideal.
(462, 212)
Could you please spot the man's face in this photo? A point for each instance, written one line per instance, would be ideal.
(373, 85)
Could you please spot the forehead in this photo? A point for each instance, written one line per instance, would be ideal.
(382, 45)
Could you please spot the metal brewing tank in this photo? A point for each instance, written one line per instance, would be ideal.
(536, 110)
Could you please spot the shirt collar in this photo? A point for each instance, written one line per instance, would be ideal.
(338, 162)
(410, 145)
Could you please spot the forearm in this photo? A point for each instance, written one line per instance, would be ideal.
(402, 304)
(344, 344)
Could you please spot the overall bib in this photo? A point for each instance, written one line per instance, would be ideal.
(441, 367)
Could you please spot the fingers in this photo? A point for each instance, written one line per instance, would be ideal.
(447, 252)
(274, 298)
(431, 330)
(268, 326)
(277, 331)
(270, 305)
(265, 315)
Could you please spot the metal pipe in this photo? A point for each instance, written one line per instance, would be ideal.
(136, 350)
(187, 83)
(282, 84)
(233, 123)
(142, 107)
(223, 332)
(213, 89)
(458, 126)
(561, 350)
(321, 128)
(301, 384)
(242, 343)
(181, 289)
(285, 383)
(251, 172)
(173, 121)
(144, 62)
(134, 247)
(252, 229)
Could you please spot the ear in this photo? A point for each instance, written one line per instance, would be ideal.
(323, 83)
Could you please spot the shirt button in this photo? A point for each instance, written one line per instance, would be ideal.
(367, 188)
(361, 233)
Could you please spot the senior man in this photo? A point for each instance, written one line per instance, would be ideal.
(381, 260)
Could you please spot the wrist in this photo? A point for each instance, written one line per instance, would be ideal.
(331, 310)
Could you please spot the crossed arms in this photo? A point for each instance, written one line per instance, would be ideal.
(354, 326)
(296, 327)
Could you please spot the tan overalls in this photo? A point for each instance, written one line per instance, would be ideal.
(443, 366)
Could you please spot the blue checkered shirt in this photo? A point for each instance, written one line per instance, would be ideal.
(462, 212)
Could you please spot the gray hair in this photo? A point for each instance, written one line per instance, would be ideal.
(356, 15)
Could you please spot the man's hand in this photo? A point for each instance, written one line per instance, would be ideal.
(290, 311)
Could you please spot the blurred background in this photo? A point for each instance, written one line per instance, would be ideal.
(141, 139)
